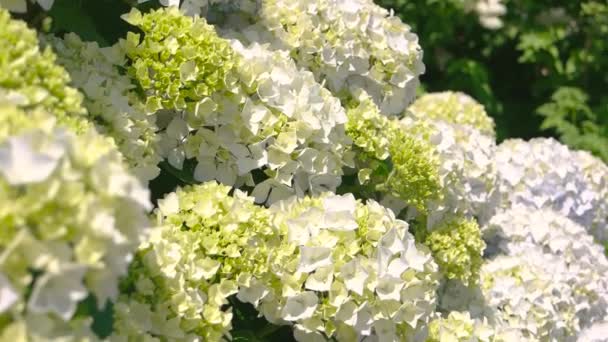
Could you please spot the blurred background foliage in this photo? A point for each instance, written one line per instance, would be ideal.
(543, 73)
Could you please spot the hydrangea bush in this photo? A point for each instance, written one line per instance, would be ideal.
(261, 171)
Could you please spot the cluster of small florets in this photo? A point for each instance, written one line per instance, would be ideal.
(459, 326)
(349, 271)
(520, 291)
(454, 108)
(392, 162)
(585, 267)
(462, 138)
(236, 110)
(208, 245)
(457, 247)
(111, 100)
(71, 216)
(30, 77)
(350, 46)
(544, 174)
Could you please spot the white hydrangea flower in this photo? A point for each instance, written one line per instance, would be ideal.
(467, 167)
(290, 127)
(111, 100)
(460, 326)
(595, 172)
(348, 281)
(543, 173)
(74, 216)
(349, 45)
(514, 231)
(531, 292)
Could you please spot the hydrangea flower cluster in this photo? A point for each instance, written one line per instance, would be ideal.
(71, 219)
(462, 137)
(543, 173)
(454, 108)
(457, 247)
(30, 77)
(398, 165)
(349, 45)
(111, 101)
(349, 271)
(237, 111)
(209, 243)
(521, 292)
(585, 267)
(460, 326)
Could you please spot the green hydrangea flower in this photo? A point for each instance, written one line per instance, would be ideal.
(459, 327)
(71, 218)
(210, 244)
(111, 100)
(177, 61)
(462, 139)
(31, 78)
(454, 108)
(458, 248)
(391, 160)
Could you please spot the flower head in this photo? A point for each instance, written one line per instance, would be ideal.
(348, 270)
(31, 77)
(544, 174)
(457, 247)
(210, 246)
(72, 216)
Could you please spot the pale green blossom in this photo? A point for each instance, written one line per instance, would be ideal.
(210, 246)
(72, 217)
(391, 161)
(459, 326)
(462, 138)
(454, 108)
(30, 76)
(457, 247)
